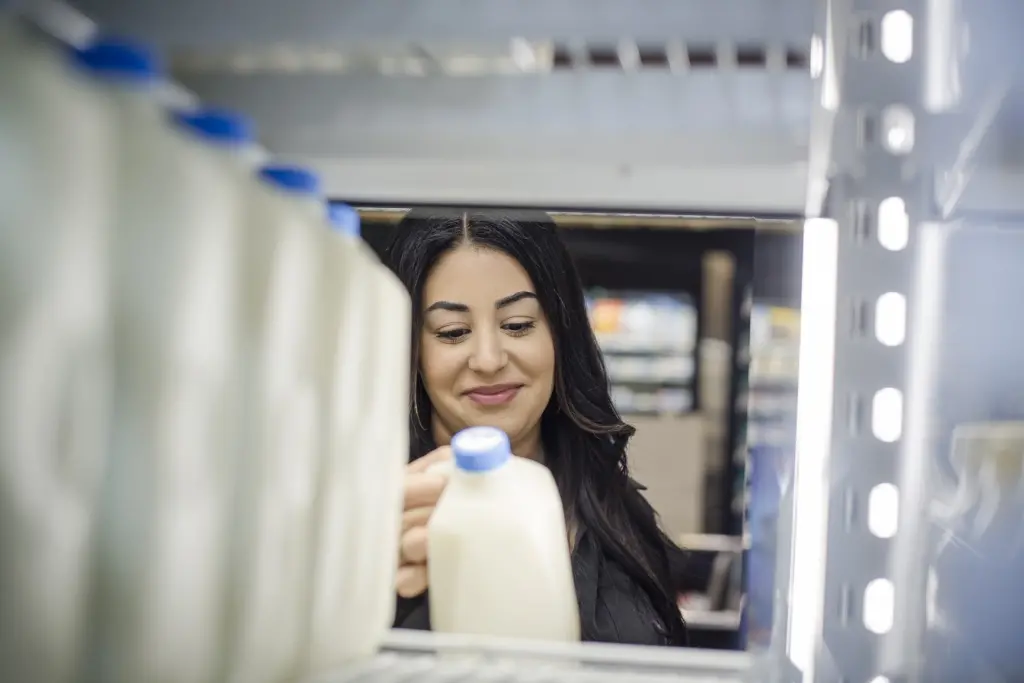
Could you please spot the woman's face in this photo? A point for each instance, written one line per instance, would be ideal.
(487, 357)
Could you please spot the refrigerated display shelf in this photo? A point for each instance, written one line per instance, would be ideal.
(685, 138)
(419, 657)
(716, 139)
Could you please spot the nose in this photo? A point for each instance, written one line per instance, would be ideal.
(488, 356)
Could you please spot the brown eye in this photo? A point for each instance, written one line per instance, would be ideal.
(519, 329)
(452, 335)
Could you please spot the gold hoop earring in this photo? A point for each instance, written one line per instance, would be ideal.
(415, 402)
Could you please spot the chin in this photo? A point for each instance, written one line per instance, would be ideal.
(507, 424)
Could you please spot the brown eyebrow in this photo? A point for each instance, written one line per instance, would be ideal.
(447, 306)
(463, 308)
(513, 298)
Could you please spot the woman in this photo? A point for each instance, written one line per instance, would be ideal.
(501, 338)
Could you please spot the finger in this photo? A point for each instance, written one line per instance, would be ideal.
(416, 517)
(437, 455)
(411, 580)
(423, 490)
(414, 546)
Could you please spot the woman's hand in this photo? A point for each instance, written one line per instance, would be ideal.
(422, 489)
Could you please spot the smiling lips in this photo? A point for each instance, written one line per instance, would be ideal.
(493, 395)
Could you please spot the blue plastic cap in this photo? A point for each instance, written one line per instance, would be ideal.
(481, 449)
(120, 59)
(291, 179)
(344, 219)
(216, 125)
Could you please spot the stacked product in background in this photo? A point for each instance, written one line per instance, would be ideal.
(649, 342)
(183, 425)
(768, 452)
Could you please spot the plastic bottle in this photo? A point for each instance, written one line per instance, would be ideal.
(359, 500)
(386, 430)
(499, 567)
(55, 205)
(158, 606)
(348, 362)
(281, 368)
(388, 407)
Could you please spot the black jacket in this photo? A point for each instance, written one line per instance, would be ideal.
(613, 609)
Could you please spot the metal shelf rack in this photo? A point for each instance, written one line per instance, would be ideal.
(748, 107)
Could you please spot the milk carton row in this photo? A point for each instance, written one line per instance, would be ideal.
(203, 388)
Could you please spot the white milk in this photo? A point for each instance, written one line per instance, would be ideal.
(280, 364)
(365, 454)
(158, 608)
(348, 374)
(55, 205)
(385, 434)
(498, 547)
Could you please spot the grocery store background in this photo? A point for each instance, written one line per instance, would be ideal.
(698, 319)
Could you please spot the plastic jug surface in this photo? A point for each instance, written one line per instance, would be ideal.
(280, 366)
(348, 359)
(366, 449)
(55, 205)
(160, 585)
(499, 567)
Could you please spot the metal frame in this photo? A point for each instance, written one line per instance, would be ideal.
(858, 86)
(957, 100)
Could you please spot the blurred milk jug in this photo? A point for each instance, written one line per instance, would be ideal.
(366, 448)
(498, 547)
(158, 608)
(279, 363)
(56, 176)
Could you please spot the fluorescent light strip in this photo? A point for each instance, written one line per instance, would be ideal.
(813, 441)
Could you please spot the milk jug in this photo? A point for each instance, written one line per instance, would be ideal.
(348, 376)
(55, 206)
(359, 502)
(498, 547)
(158, 606)
(280, 367)
(385, 434)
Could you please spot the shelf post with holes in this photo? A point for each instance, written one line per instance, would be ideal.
(858, 289)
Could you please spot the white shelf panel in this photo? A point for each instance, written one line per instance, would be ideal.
(576, 140)
(721, 140)
(197, 24)
(719, 117)
(766, 190)
(422, 657)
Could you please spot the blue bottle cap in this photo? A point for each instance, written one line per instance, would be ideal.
(119, 59)
(291, 179)
(344, 219)
(216, 125)
(480, 449)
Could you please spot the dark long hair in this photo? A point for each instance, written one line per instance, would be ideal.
(584, 437)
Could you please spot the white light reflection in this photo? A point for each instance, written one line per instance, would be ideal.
(887, 415)
(891, 319)
(813, 441)
(893, 224)
(898, 36)
(884, 510)
(878, 606)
